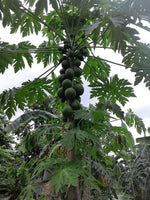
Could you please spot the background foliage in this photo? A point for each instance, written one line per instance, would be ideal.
(36, 165)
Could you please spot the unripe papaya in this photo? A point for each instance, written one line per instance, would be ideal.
(61, 77)
(77, 71)
(79, 89)
(60, 92)
(67, 111)
(69, 73)
(65, 64)
(70, 93)
(71, 53)
(76, 105)
(66, 83)
(77, 62)
(62, 71)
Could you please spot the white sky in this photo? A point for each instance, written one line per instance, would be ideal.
(140, 105)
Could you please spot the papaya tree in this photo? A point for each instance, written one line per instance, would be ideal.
(74, 30)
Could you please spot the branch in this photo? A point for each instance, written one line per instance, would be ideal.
(114, 62)
(56, 51)
(119, 63)
(34, 81)
(48, 50)
(40, 50)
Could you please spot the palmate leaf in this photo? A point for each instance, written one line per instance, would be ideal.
(90, 116)
(114, 90)
(5, 57)
(13, 6)
(45, 165)
(26, 95)
(89, 29)
(142, 10)
(72, 136)
(54, 4)
(28, 191)
(112, 32)
(48, 53)
(95, 69)
(53, 19)
(5, 60)
(30, 2)
(116, 109)
(5, 13)
(14, 55)
(40, 6)
(14, 15)
(27, 24)
(138, 59)
(133, 120)
(120, 36)
(83, 115)
(66, 175)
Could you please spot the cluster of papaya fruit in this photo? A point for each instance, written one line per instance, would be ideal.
(70, 84)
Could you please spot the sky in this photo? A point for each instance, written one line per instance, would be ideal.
(140, 105)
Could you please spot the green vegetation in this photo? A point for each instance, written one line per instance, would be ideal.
(65, 150)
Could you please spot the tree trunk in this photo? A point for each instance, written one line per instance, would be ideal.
(86, 188)
(73, 192)
(86, 193)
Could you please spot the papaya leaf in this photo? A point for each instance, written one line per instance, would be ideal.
(26, 23)
(21, 97)
(100, 169)
(114, 90)
(129, 138)
(28, 191)
(54, 5)
(40, 6)
(83, 115)
(89, 29)
(66, 175)
(137, 59)
(116, 35)
(45, 165)
(117, 21)
(96, 69)
(133, 120)
(13, 6)
(48, 53)
(70, 138)
(5, 60)
(116, 109)
(30, 2)
(6, 14)
(13, 55)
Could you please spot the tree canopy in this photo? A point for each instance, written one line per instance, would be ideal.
(74, 149)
